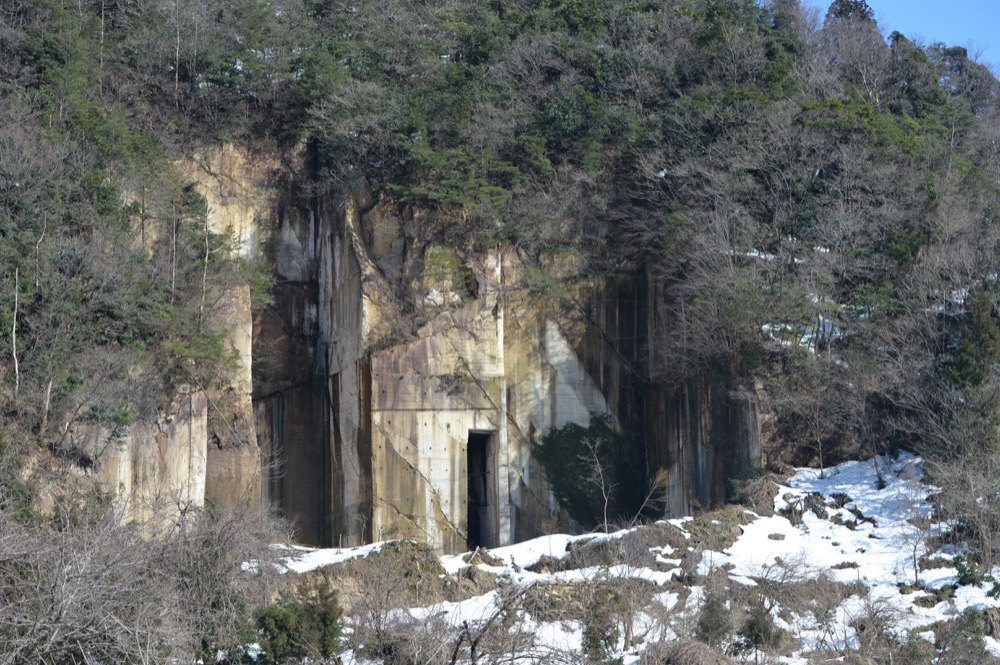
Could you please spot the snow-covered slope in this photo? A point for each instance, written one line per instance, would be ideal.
(845, 554)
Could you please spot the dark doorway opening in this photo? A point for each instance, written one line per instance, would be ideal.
(481, 503)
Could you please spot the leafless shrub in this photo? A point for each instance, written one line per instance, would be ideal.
(874, 625)
(553, 602)
(819, 597)
(682, 653)
(82, 588)
(501, 634)
(205, 559)
(384, 628)
(80, 592)
(757, 494)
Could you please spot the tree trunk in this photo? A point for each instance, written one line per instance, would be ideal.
(13, 338)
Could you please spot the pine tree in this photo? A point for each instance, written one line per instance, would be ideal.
(979, 346)
(715, 620)
(850, 10)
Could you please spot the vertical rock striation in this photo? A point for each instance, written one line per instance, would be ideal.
(380, 431)
(202, 447)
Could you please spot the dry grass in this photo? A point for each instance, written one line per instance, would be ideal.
(689, 652)
(717, 529)
(408, 573)
(758, 493)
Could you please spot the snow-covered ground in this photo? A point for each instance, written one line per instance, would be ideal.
(863, 523)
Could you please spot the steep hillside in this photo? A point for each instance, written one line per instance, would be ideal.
(470, 273)
(473, 273)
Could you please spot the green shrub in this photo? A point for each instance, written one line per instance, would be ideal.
(600, 642)
(979, 346)
(715, 620)
(914, 651)
(969, 568)
(961, 639)
(595, 474)
(279, 630)
(600, 628)
(759, 631)
(298, 629)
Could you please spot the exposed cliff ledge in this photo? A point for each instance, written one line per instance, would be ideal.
(383, 432)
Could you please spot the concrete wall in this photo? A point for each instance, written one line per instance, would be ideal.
(426, 398)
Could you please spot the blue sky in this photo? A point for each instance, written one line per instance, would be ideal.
(955, 22)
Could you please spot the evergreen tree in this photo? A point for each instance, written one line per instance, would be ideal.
(979, 347)
(850, 10)
(715, 620)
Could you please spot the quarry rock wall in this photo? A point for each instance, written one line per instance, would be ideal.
(383, 430)
(201, 447)
(395, 386)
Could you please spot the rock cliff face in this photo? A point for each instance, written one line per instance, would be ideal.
(702, 432)
(314, 377)
(156, 469)
(202, 447)
(376, 430)
(395, 387)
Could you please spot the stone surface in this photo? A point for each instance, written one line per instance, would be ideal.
(203, 447)
(236, 185)
(397, 385)
(494, 366)
(233, 473)
(156, 469)
(311, 383)
(427, 396)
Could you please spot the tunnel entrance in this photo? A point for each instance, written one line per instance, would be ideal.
(482, 491)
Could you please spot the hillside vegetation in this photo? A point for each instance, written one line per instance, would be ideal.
(817, 202)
